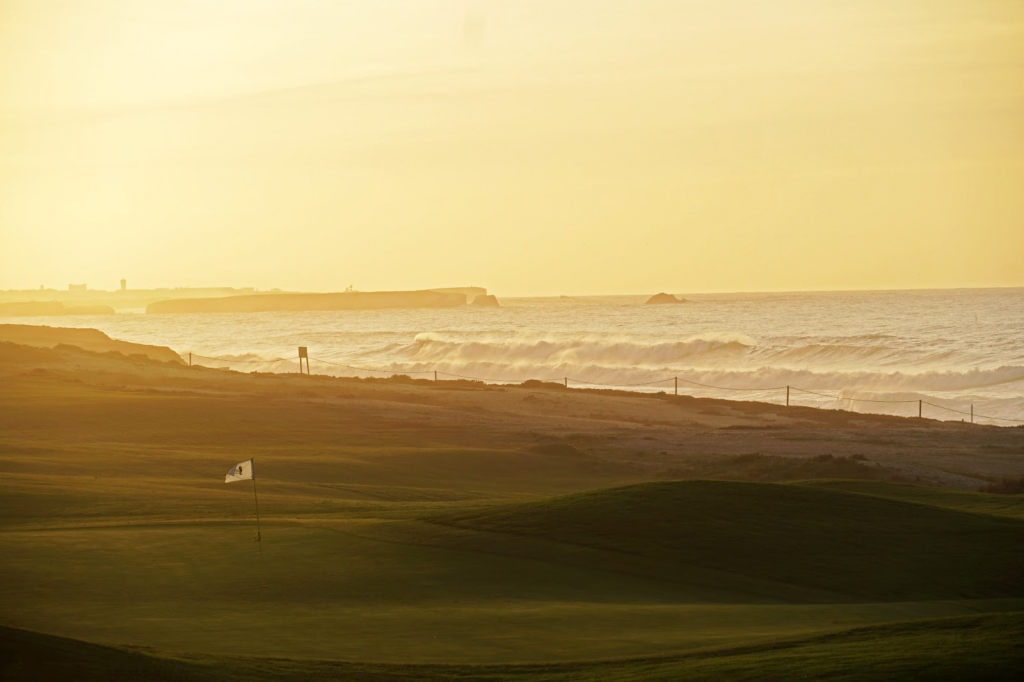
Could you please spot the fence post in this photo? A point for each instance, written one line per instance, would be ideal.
(919, 403)
(972, 413)
(567, 382)
(435, 375)
(787, 396)
(190, 364)
(677, 385)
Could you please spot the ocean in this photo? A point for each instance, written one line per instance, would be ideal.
(953, 349)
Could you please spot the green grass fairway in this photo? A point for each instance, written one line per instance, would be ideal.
(965, 648)
(333, 593)
(649, 569)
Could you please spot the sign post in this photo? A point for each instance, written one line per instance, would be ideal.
(303, 355)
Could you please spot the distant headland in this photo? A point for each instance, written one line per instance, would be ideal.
(349, 300)
(50, 308)
(79, 299)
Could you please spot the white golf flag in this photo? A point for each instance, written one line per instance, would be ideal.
(242, 471)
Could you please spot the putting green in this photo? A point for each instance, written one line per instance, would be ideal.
(332, 590)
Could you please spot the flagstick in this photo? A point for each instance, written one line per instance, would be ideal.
(259, 534)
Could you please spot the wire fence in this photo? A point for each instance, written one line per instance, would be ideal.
(567, 380)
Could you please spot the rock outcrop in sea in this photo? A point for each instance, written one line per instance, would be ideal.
(664, 298)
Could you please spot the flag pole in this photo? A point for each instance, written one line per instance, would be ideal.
(259, 535)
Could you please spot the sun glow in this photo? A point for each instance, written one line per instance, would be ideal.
(530, 147)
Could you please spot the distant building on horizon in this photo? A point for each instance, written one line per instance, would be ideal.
(78, 287)
(124, 284)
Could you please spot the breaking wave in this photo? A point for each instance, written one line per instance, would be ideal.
(852, 355)
(577, 351)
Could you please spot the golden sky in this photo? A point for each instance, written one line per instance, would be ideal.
(529, 146)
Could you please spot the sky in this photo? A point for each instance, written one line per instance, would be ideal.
(531, 147)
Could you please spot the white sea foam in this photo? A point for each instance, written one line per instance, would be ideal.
(580, 351)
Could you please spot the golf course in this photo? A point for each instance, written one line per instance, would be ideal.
(454, 530)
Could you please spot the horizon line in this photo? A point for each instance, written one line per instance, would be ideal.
(547, 295)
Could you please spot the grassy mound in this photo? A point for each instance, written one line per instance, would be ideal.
(775, 469)
(1011, 506)
(856, 545)
(969, 648)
